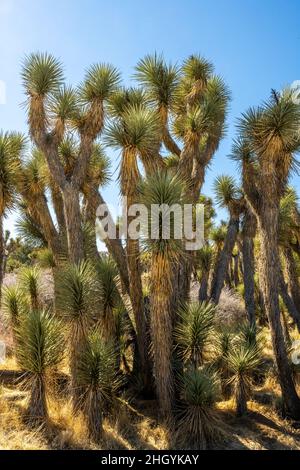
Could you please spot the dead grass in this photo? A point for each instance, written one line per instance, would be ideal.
(262, 428)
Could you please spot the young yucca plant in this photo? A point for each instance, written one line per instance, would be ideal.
(14, 306)
(40, 347)
(98, 381)
(193, 331)
(198, 421)
(107, 273)
(243, 361)
(30, 282)
(45, 258)
(223, 343)
(78, 299)
(248, 334)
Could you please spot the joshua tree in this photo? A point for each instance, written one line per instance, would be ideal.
(78, 299)
(30, 282)
(288, 232)
(227, 195)
(163, 188)
(136, 132)
(248, 234)
(8, 181)
(269, 140)
(198, 420)
(14, 307)
(195, 101)
(98, 381)
(40, 347)
(222, 346)
(243, 360)
(50, 101)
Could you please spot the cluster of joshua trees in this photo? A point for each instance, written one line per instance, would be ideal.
(127, 314)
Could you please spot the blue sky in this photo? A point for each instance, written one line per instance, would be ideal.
(254, 45)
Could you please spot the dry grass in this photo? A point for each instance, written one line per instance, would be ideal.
(130, 431)
(262, 428)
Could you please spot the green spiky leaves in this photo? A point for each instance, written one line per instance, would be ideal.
(159, 79)
(78, 293)
(196, 322)
(64, 103)
(100, 81)
(226, 190)
(96, 367)
(41, 74)
(138, 128)
(162, 189)
(40, 342)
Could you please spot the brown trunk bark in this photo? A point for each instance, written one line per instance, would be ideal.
(248, 274)
(268, 232)
(223, 260)
(161, 331)
(202, 295)
(240, 398)
(59, 209)
(236, 278)
(73, 223)
(288, 301)
(137, 301)
(48, 227)
(292, 277)
(37, 407)
(114, 246)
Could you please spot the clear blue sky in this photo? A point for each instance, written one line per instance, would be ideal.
(254, 45)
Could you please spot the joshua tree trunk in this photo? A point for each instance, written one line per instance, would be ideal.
(161, 331)
(202, 295)
(224, 258)
(268, 232)
(285, 329)
(93, 411)
(288, 301)
(129, 180)
(113, 245)
(185, 273)
(37, 407)
(240, 398)
(59, 209)
(137, 301)
(248, 274)
(73, 222)
(292, 277)
(236, 279)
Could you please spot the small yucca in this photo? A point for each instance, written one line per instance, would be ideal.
(223, 343)
(193, 331)
(14, 306)
(45, 258)
(30, 283)
(199, 425)
(98, 381)
(243, 361)
(40, 348)
(249, 334)
(78, 301)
